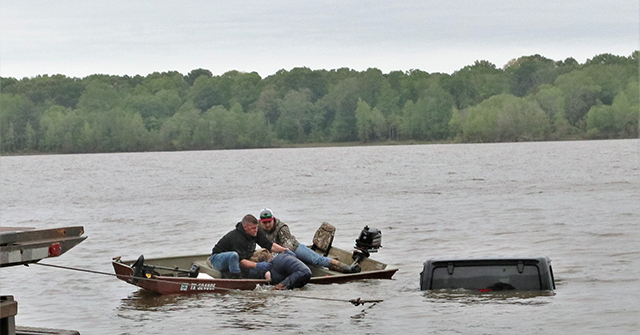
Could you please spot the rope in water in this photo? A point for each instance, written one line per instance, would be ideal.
(355, 302)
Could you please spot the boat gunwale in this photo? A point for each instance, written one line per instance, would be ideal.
(159, 283)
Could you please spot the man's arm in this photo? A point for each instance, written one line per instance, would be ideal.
(245, 263)
(286, 239)
(277, 248)
(264, 266)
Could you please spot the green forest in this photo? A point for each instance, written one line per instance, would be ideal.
(532, 98)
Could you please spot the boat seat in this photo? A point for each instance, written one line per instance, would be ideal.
(206, 268)
(323, 238)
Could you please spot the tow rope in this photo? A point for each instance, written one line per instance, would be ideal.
(356, 302)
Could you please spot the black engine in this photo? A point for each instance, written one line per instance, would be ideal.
(370, 240)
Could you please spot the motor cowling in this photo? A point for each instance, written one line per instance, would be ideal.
(370, 239)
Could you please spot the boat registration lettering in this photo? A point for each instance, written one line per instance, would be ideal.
(201, 286)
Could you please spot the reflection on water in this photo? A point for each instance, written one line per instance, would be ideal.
(468, 297)
(260, 309)
(361, 316)
(235, 300)
(149, 301)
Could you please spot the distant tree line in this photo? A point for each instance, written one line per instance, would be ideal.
(532, 98)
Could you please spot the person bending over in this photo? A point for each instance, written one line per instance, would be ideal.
(287, 271)
(231, 254)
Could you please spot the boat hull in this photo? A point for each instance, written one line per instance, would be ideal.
(165, 281)
(183, 285)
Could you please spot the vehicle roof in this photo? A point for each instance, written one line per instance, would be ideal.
(489, 258)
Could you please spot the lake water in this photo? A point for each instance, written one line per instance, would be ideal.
(576, 202)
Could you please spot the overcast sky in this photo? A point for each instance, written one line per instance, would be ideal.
(83, 37)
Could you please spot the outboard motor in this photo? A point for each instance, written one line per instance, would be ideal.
(369, 241)
(138, 269)
(194, 271)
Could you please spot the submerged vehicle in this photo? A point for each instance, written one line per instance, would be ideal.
(488, 274)
(193, 273)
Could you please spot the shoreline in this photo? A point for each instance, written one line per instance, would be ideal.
(310, 145)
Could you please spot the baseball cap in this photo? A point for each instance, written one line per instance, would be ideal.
(266, 215)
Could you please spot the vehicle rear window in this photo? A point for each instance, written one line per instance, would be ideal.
(487, 278)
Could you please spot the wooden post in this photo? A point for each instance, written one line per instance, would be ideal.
(8, 311)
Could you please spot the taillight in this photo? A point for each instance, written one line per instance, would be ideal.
(55, 250)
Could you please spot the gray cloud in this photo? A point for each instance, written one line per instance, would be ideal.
(78, 38)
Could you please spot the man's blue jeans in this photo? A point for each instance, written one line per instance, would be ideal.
(311, 257)
(226, 262)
